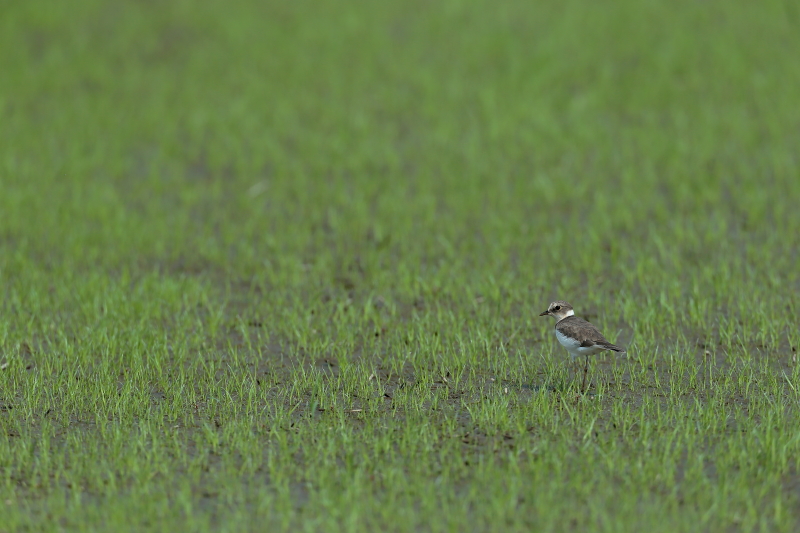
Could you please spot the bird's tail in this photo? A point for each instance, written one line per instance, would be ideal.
(614, 348)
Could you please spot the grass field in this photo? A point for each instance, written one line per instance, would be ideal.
(277, 266)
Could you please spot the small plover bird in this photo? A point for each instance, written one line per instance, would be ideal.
(578, 336)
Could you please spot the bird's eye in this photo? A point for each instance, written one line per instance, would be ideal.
(556, 308)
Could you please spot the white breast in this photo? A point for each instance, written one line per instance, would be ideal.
(574, 347)
(569, 343)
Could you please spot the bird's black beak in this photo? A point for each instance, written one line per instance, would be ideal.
(545, 313)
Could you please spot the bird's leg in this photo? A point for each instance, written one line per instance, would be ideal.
(585, 371)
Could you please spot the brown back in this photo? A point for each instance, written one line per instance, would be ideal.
(578, 328)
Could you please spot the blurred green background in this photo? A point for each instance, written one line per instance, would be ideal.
(195, 132)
